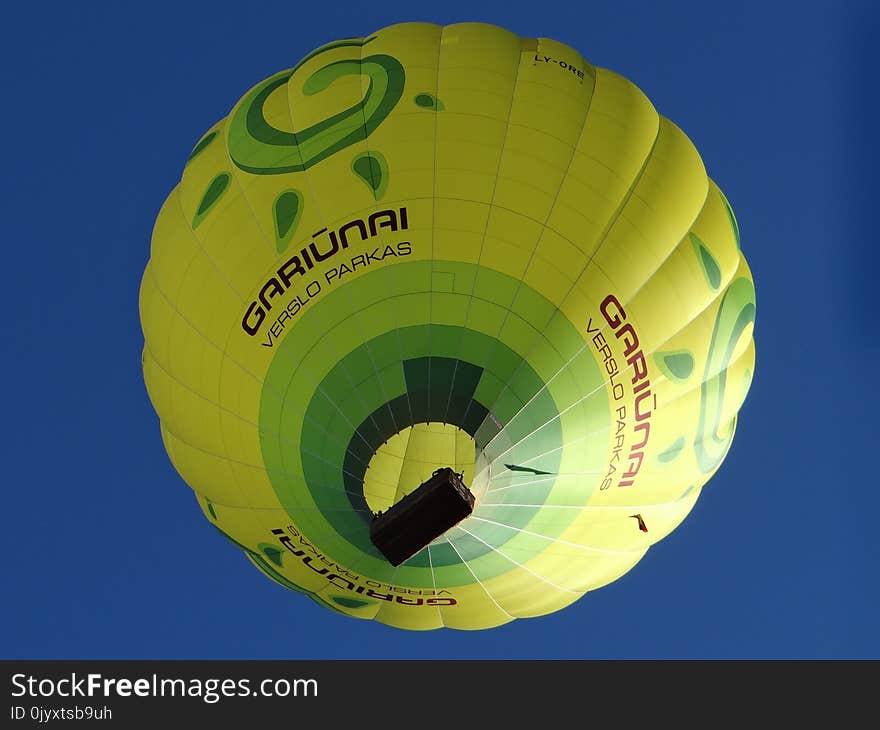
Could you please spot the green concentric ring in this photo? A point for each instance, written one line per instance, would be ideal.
(385, 384)
(432, 385)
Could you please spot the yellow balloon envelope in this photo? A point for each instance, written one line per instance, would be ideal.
(446, 246)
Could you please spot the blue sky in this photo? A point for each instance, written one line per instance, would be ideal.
(105, 552)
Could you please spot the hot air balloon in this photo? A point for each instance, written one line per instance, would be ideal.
(450, 254)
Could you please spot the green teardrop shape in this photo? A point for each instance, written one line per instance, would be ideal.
(429, 101)
(211, 510)
(203, 142)
(732, 218)
(215, 191)
(287, 212)
(273, 553)
(369, 171)
(673, 451)
(372, 168)
(710, 267)
(677, 365)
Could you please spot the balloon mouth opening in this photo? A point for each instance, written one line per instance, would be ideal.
(412, 456)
